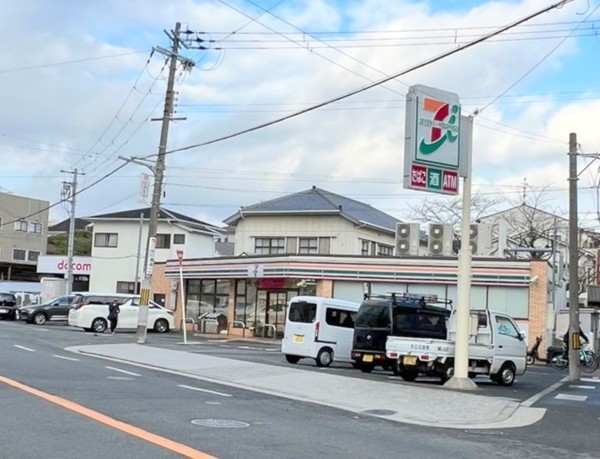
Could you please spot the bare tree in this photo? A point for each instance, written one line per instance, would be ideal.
(449, 209)
(531, 223)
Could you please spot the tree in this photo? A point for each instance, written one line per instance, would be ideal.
(449, 210)
(530, 223)
(82, 244)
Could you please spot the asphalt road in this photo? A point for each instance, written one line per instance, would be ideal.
(244, 424)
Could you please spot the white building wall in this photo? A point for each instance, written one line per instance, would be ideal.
(117, 264)
(345, 236)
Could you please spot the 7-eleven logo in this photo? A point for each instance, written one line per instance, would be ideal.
(443, 125)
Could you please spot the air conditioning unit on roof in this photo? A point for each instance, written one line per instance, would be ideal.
(481, 239)
(440, 239)
(407, 239)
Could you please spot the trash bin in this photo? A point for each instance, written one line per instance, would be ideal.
(213, 322)
(553, 351)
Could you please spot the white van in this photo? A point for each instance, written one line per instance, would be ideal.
(319, 328)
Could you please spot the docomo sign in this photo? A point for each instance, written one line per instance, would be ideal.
(432, 157)
(53, 264)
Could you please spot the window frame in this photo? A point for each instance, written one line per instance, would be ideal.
(163, 241)
(108, 238)
(19, 250)
(269, 245)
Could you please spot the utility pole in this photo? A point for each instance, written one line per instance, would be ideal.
(70, 190)
(159, 168)
(574, 336)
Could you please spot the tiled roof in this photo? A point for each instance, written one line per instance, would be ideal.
(80, 224)
(163, 214)
(319, 201)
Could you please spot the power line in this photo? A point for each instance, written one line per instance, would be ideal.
(375, 84)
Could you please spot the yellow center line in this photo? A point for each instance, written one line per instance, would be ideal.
(115, 424)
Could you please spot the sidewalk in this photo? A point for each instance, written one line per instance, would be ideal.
(436, 407)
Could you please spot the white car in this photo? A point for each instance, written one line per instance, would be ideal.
(93, 317)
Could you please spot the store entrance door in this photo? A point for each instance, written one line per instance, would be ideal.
(275, 310)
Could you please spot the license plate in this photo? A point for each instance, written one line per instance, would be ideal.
(409, 360)
(3, 311)
(367, 358)
(298, 339)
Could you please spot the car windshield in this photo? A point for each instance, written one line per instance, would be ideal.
(373, 316)
(8, 297)
(302, 311)
(419, 324)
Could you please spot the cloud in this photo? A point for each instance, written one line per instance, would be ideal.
(72, 106)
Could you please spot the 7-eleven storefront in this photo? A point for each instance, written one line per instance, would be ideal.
(251, 293)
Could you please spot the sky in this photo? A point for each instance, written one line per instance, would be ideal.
(82, 89)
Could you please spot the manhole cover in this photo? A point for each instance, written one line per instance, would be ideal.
(379, 412)
(220, 423)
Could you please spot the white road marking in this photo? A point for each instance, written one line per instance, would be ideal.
(533, 399)
(121, 378)
(204, 390)
(66, 358)
(575, 386)
(574, 398)
(214, 403)
(24, 348)
(594, 380)
(122, 371)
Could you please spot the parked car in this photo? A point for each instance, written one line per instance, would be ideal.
(91, 314)
(8, 305)
(54, 309)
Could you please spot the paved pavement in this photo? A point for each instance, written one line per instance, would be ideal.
(438, 407)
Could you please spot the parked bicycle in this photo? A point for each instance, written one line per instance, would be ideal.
(588, 360)
(533, 355)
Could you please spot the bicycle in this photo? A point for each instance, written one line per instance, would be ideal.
(588, 360)
(533, 354)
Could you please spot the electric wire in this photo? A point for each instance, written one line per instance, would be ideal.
(425, 63)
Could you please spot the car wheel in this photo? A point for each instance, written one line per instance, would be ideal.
(292, 358)
(506, 376)
(99, 325)
(409, 375)
(161, 326)
(447, 372)
(13, 315)
(366, 367)
(396, 369)
(324, 357)
(39, 318)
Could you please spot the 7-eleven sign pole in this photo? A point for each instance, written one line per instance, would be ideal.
(184, 322)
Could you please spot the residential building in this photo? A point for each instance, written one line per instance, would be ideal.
(120, 239)
(23, 236)
(313, 222)
(526, 232)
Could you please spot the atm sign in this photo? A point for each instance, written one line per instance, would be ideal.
(434, 179)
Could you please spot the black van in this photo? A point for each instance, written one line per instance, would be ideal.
(397, 314)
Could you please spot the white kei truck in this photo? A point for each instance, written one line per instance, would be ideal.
(497, 348)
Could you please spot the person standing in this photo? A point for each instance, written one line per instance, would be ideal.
(113, 315)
